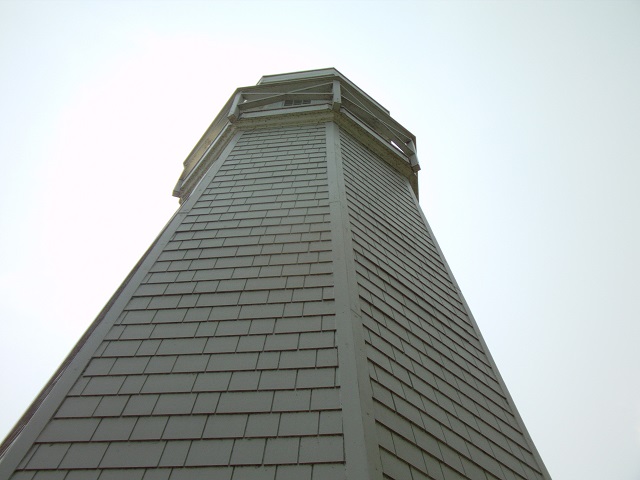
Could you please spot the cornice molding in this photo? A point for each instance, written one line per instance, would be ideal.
(302, 98)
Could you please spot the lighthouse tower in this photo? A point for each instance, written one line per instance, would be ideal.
(295, 320)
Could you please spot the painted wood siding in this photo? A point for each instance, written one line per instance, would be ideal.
(223, 363)
(220, 358)
(440, 411)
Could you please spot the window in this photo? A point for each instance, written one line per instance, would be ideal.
(292, 103)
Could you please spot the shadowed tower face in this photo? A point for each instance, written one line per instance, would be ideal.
(295, 320)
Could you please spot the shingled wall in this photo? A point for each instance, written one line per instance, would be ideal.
(219, 360)
(440, 411)
(223, 363)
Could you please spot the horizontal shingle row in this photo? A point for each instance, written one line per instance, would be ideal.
(240, 368)
(281, 472)
(241, 352)
(298, 400)
(170, 453)
(174, 418)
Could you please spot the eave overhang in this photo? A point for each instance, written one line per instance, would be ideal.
(299, 98)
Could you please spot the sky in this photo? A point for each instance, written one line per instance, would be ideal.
(527, 118)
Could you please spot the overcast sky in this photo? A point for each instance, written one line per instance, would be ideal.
(527, 116)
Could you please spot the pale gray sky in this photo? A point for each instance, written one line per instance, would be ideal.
(527, 116)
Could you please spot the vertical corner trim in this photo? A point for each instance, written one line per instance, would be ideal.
(337, 96)
(234, 111)
(361, 446)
